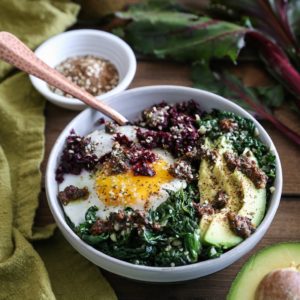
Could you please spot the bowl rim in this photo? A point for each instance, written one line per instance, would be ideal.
(122, 85)
(249, 243)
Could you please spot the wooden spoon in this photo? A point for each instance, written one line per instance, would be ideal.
(13, 51)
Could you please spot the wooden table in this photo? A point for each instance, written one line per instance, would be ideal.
(285, 226)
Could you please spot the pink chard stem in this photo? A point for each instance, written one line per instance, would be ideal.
(278, 63)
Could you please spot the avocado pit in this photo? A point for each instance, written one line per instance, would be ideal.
(280, 285)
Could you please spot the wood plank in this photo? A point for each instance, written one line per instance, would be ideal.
(285, 227)
(153, 73)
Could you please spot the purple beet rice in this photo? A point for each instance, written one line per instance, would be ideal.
(168, 127)
(77, 155)
(171, 127)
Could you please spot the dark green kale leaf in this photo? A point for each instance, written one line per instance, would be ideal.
(175, 242)
(90, 219)
(95, 239)
(210, 252)
(181, 226)
(83, 230)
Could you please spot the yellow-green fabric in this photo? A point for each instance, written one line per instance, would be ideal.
(53, 269)
(72, 276)
(33, 21)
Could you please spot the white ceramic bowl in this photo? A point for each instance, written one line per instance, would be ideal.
(131, 103)
(83, 42)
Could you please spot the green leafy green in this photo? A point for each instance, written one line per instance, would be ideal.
(293, 16)
(254, 99)
(271, 96)
(205, 78)
(94, 239)
(192, 242)
(244, 137)
(90, 219)
(179, 35)
(277, 19)
(178, 243)
(211, 252)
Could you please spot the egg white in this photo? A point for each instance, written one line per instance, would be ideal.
(75, 210)
(103, 141)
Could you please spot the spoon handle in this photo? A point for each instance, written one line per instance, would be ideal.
(13, 51)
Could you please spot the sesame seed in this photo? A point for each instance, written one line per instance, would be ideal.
(94, 74)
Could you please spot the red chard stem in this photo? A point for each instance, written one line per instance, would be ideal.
(278, 63)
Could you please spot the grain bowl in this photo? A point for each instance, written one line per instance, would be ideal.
(203, 250)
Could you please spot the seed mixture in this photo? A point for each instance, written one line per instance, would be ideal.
(94, 74)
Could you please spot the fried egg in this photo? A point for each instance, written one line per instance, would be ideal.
(111, 193)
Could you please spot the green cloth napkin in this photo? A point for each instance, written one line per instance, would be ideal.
(56, 271)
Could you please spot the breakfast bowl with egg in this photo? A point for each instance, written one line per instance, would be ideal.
(184, 190)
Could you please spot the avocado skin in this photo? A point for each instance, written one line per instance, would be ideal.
(277, 256)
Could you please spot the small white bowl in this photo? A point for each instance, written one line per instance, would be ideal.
(130, 103)
(84, 42)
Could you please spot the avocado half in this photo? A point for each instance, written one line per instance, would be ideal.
(244, 198)
(281, 258)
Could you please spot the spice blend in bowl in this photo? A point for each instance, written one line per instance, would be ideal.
(94, 74)
(98, 61)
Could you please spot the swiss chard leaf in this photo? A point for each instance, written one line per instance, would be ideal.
(204, 78)
(95, 239)
(271, 96)
(274, 18)
(181, 36)
(229, 85)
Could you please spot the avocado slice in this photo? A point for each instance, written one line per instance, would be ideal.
(275, 257)
(244, 198)
(204, 224)
(219, 233)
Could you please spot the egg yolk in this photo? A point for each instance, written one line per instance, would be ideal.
(126, 188)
